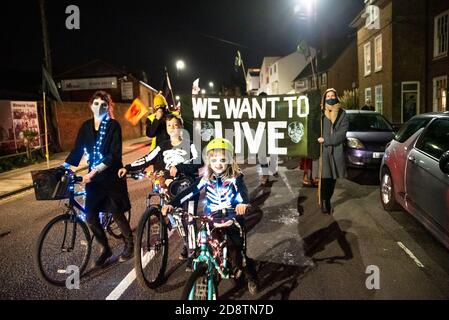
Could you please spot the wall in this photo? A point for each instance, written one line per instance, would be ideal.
(70, 116)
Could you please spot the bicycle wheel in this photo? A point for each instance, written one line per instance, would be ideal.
(113, 229)
(200, 286)
(65, 241)
(151, 249)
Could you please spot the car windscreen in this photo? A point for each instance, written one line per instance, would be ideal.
(366, 122)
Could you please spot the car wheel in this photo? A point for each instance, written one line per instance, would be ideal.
(387, 193)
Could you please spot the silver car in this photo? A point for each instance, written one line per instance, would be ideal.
(414, 172)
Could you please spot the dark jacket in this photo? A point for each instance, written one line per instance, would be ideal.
(106, 183)
(334, 164)
(157, 129)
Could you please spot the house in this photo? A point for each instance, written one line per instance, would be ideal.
(283, 71)
(437, 56)
(79, 83)
(253, 81)
(335, 66)
(265, 74)
(391, 50)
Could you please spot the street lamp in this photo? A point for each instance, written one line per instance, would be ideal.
(305, 8)
(203, 91)
(211, 84)
(178, 98)
(180, 65)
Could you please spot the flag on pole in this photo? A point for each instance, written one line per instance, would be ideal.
(196, 87)
(238, 60)
(303, 48)
(167, 90)
(136, 111)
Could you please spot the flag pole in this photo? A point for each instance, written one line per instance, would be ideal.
(47, 154)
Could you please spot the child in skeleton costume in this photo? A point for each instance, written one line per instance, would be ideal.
(226, 196)
(174, 157)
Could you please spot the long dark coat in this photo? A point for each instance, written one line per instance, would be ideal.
(334, 165)
(107, 192)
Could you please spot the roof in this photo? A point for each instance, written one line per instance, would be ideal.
(324, 64)
(94, 68)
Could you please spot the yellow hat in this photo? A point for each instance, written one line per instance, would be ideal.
(220, 143)
(159, 101)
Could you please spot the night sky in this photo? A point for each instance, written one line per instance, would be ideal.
(148, 35)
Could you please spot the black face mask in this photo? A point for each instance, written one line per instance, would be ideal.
(332, 102)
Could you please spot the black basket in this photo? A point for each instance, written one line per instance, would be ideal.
(50, 185)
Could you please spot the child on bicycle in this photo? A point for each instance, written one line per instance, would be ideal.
(174, 157)
(226, 196)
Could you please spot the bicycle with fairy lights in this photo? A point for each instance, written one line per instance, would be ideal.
(151, 247)
(66, 239)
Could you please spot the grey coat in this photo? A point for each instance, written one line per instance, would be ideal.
(334, 165)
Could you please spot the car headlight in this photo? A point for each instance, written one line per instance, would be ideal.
(355, 143)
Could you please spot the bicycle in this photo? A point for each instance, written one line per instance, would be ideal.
(211, 264)
(66, 240)
(151, 247)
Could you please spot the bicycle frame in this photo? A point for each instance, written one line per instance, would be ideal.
(207, 256)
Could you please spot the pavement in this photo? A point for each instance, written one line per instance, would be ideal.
(19, 180)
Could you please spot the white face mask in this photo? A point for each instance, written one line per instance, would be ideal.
(99, 108)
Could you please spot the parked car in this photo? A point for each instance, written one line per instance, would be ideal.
(414, 173)
(368, 134)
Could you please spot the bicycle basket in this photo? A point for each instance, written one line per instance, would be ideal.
(49, 185)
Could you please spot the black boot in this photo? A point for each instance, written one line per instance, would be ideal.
(326, 206)
(105, 254)
(251, 276)
(128, 251)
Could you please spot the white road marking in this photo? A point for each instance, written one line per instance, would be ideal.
(131, 276)
(284, 178)
(411, 255)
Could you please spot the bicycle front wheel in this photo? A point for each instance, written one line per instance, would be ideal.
(64, 246)
(151, 249)
(200, 286)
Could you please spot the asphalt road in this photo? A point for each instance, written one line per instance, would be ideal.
(300, 253)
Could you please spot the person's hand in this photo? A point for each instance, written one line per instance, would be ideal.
(240, 209)
(88, 177)
(321, 140)
(122, 172)
(166, 209)
(159, 114)
(173, 171)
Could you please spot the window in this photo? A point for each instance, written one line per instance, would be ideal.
(268, 80)
(367, 59)
(378, 98)
(274, 69)
(378, 53)
(271, 71)
(440, 94)
(368, 94)
(441, 34)
(324, 79)
(435, 140)
(410, 100)
(410, 128)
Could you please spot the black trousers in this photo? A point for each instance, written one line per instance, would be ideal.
(93, 220)
(327, 188)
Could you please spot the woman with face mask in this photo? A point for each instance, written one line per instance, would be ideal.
(100, 140)
(335, 125)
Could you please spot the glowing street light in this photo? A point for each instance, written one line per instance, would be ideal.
(180, 65)
(178, 98)
(211, 84)
(203, 91)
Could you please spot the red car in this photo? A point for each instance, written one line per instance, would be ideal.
(414, 172)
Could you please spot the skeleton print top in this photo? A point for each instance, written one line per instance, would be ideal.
(184, 157)
(221, 193)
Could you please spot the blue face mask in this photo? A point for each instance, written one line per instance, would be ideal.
(332, 102)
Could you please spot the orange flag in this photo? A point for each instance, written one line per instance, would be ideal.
(136, 111)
